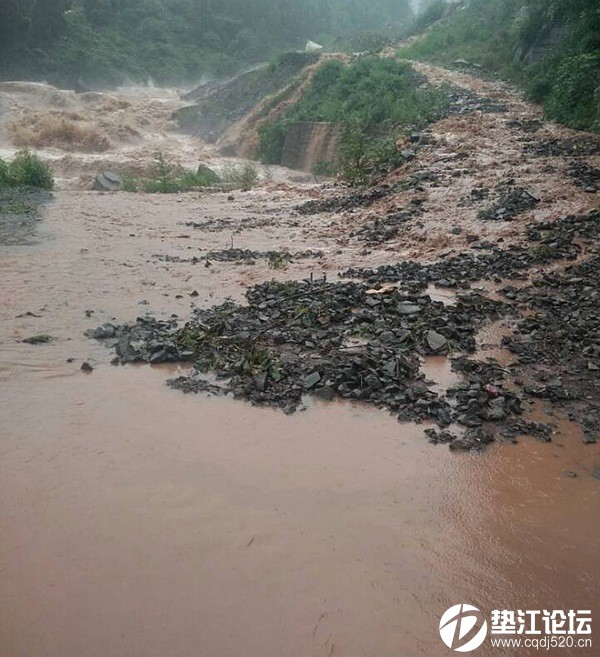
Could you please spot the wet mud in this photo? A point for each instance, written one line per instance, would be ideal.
(139, 520)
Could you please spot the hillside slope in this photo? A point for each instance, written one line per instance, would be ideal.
(549, 47)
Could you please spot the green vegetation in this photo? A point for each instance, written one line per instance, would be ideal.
(429, 15)
(17, 208)
(107, 42)
(550, 47)
(26, 170)
(166, 178)
(373, 100)
(242, 176)
(279, 260)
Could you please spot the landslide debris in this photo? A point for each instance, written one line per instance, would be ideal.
(548, 242)
(559, 345)
(366, 341)
(219, 104)
(511, 201)
(328, 339)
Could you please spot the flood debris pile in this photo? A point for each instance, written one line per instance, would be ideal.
(560, 345)
(511, 201)
(385, 228)
(332, 340)
(462, 101)
(548, 242)
(585, 176)
(583, 146)
(366, 341)
(246, 256)
(476, 195)
(524, 125)
(275, 257)
(363, 198)
(218, 224)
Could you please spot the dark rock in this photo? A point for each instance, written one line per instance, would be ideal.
(436, 341)
(102, 332)
(107, 181)
(126, 352)
(43, 338)
(326, 393)
(311, 380)
(407, 308)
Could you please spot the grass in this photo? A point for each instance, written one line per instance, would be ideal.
(26, 170)
(17, 208)
(374, 100)
(168, 178)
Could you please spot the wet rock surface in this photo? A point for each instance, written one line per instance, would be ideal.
(585, 176)
(383, 229)
(565, 147)
(363, 199)
(548, 242)
(511, 201)
(365, 341)
(559, 346)
(330, 340)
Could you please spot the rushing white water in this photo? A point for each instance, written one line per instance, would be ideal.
(81, 135)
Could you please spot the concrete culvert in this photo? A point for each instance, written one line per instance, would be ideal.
(107, 181)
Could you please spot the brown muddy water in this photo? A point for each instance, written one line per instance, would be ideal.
(136, 521)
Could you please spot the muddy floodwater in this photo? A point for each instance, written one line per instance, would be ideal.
(138, 521)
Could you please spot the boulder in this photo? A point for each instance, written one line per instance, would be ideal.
(107, 181)
(436, 341)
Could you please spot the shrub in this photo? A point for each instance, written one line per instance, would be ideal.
(373, 100)
(3, 172)
(272, 138)
(26, 170)
(244, 176)
(574, 97)
(168, 178)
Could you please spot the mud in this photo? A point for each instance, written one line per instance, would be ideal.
(139, 520)
(130, 535)
(20, 215)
